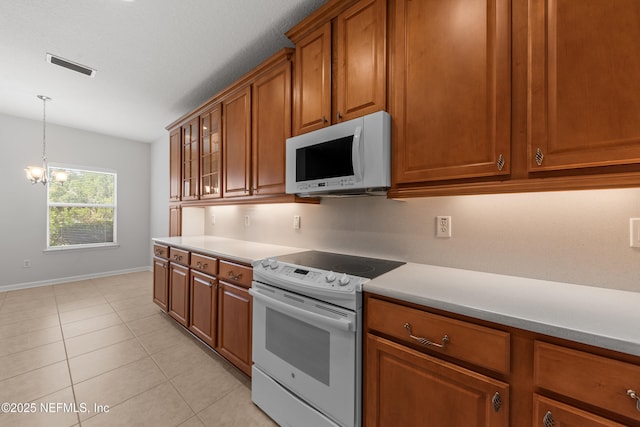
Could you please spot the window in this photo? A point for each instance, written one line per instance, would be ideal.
(82, 211)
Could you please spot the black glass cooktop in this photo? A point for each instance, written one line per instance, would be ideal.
(368, 268)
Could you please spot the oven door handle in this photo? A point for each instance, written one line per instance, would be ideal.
(343, 324)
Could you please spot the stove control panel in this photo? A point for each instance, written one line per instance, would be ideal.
(309, 277)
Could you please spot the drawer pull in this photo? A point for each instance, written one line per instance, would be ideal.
(496, 401)
(547, 420)
(231, 276)
(177, 257)
(425, 341)
(632, 394)
(201, 266)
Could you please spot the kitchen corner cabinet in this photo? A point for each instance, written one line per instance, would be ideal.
(450, 89)
(485, 374)
(584, 91)
(235, 314)
(348, 51)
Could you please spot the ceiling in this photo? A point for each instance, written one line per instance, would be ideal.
(155, 59)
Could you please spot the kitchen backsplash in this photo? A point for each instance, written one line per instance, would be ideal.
(579, 237)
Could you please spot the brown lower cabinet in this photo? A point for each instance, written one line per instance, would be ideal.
(234, 325)
(210, 298)
(486, 374)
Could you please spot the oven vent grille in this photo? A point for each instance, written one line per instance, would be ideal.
(73, 66)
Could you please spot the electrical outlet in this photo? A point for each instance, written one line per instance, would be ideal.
(213, 220)
(443, 226)
(296, 222)
(634, 232)
(26, 263)
(247, 222)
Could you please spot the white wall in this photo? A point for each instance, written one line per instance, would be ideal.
(23, 220)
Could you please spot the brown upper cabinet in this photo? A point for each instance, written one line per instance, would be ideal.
(211, 153)
(241, 134)
(450, 89)
(340, 68)
(175, 164)
(271, 126)
(584, 88)
(190, 159)
(236, 142)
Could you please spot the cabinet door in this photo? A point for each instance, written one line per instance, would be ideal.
(234, 325)
(547, 412)
(404, 387)
(161, 283)
(237, 143)
(210, 153)
(450, 89)
(190, 159)
(312, 95)
(175, 221)
(271, 125)
(179, 293)
(175, 163)
(203, 310)
(584, 89)
(361, 70)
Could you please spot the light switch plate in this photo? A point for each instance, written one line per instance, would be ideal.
(634, 232)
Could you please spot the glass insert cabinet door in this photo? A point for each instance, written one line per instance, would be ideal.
(210, 153)
(190, 160)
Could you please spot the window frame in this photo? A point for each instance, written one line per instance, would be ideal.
(114, 206)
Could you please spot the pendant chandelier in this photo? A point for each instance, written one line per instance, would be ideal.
(37, 174)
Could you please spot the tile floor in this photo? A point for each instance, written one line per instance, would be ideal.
(69, 351)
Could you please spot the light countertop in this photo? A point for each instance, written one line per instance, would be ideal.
(600, 317)
(239, 250)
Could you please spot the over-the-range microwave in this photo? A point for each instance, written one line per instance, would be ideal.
(348, 158)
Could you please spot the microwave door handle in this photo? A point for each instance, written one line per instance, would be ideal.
(342, 324)
(356, 153)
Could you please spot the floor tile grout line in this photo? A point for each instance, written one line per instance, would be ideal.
(66, 354)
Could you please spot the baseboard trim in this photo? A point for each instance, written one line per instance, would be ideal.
(57, 281)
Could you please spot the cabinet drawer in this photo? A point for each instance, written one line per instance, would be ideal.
(161, 251)
(236, 273)
(179, 256)
(484, 347)
(204, 264)
(596, 380)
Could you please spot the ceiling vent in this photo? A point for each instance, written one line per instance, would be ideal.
(73, 66)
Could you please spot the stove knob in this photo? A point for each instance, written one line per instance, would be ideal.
(330, 277)
(344, 280)
(274, 264)
(265, 263)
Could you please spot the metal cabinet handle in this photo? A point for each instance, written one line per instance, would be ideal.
(547, 420)
(632, 394)
(201, 266)
(324, 119)
(339, 116)
(177, 257)
(501, 162)
(539, 157)
(231, 276)
(425, 341)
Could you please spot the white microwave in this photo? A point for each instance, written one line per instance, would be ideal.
(349, 158)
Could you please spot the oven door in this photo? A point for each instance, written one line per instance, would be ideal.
(308, 347)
